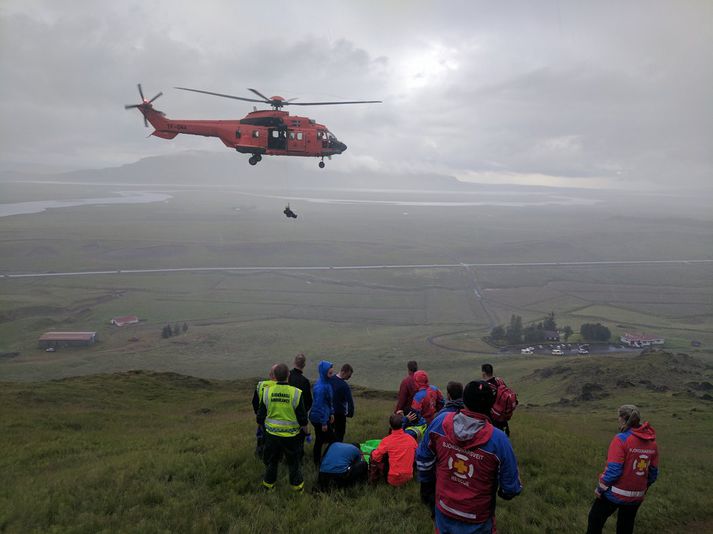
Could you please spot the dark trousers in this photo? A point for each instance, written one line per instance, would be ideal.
(275, 448)
(340, 427)
(356, 474)
(602, 508)
(379, 470)
(321, 438)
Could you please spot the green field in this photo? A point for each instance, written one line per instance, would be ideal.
(161, 452)
(154, 451)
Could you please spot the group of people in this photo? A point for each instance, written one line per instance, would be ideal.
(458, 445)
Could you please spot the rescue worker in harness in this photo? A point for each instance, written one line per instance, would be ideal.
(283, 416)
(289, 213)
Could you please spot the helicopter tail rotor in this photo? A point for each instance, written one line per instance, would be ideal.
(145, 104)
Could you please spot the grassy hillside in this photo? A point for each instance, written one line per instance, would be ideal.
(160, 452)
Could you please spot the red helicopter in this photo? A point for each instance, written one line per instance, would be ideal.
(265, 132)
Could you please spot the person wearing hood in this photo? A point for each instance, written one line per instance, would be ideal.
(322, 413)
(454, 404)
(428, 400)
(470, 462)
(631, 468)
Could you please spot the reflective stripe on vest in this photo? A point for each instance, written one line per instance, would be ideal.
(454, 511)
(627, 493)
(281, 419)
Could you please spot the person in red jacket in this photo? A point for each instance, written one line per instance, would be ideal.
(632, 466)
(395, 454)
(407, 389)
(428, 400)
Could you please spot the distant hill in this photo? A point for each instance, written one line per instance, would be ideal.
(199, 167)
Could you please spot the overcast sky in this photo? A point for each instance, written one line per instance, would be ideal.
(562, 92)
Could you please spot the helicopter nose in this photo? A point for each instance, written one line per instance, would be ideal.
(341, 146)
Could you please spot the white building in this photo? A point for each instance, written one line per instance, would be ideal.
(641, 340)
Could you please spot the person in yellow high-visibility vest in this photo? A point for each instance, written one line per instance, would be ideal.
(257, 395)
(283, 416)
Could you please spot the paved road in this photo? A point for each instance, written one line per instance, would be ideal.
(354, 267)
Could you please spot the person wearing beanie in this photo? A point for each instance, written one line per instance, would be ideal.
(470, 462)
(631, 468)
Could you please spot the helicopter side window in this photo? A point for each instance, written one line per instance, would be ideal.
(299, 136)
(256, 133)
(275, 134)
(292, 136)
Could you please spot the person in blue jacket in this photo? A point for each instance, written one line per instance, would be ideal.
(322, 413)
(343, 401)
(342, 466)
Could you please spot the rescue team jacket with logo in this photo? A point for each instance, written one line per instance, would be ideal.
(469, 459)
(282, 410)
(632, 465)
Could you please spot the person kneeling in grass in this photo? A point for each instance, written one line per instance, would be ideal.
(394, 456)
(342, 466)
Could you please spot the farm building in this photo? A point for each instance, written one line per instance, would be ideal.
(123, 321)
(551, 335)
(67, 339)
(641, 340)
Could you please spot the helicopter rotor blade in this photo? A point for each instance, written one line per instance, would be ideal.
(140, 91)
(258, 93)
(220, 94)
(146, 123)
(130, 106)
(154, 98)
(332, 103)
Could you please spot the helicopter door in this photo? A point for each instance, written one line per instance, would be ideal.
(296, 141)
(277, 138)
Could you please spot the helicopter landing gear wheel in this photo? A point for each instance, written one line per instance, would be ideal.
(321, 165)
(253, 160)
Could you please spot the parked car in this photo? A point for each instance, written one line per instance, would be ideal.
(528, 351)
(557, 352)
(50, 349)
(582, 350)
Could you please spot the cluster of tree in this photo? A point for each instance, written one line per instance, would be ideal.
(595, 332)
(515, 333)
(168, 331)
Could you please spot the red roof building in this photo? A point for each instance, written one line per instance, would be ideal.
(641, 340)
(123, 321)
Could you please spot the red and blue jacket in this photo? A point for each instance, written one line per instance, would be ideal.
(632, 465)
(428, 400)
(471, 461)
